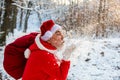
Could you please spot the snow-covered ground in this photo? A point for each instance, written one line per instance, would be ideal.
(96, 60)
(91, 60)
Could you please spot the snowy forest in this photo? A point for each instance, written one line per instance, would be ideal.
(92, 18)
(93, 24)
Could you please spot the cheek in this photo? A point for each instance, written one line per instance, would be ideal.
(53, 41)
(59, 38)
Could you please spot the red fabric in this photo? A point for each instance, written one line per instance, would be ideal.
(46, 26)
(42, 65)
(14, 60)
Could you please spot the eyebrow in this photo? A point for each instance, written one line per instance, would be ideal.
(58, 31)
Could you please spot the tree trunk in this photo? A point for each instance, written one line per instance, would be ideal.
(9, 20)
(27, 17)
(21, 19)
(6, 21)
(101, 19)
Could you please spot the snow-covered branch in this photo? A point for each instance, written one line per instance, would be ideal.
(22, 7)
(2, 32)
(2, 8)
(37, 8)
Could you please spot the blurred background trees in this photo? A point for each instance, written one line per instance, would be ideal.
(91, 18)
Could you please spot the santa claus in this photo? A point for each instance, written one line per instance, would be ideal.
(43, 63)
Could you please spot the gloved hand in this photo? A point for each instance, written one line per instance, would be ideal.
(68, 51)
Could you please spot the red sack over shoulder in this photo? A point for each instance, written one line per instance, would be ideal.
(14, 60)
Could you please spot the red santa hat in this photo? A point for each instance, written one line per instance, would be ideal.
(48, 28)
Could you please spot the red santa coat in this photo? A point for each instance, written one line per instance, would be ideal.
(42, 63)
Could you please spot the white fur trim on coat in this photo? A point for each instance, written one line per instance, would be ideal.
(40, 46)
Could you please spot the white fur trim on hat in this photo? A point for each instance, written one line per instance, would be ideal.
(47, 36)
(50, 33)
(55, 28)
(27, 53)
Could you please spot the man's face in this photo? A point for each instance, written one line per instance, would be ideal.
(57, 39)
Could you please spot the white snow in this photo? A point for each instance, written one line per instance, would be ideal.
(96, 60)
(91, 60)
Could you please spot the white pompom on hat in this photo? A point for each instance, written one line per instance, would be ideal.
(27, 53)
(48, 28)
